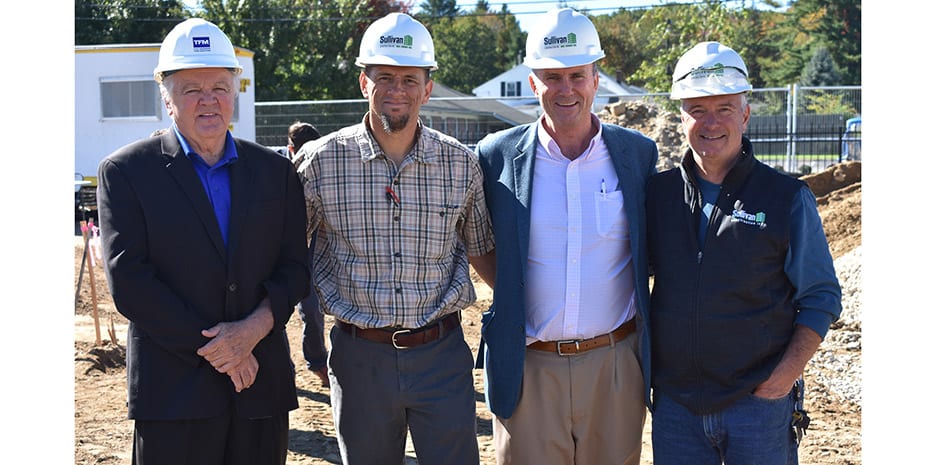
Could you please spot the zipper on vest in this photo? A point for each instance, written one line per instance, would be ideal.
(698, 258)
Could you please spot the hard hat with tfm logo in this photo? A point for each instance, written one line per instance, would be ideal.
(195, 43)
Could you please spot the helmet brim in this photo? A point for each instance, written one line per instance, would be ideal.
(569, 61)
(402, 61)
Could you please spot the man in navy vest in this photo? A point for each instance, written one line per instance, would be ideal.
(744, 285)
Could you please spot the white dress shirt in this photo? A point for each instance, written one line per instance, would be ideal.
(579, 277)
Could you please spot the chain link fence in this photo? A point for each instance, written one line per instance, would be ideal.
(796, 129)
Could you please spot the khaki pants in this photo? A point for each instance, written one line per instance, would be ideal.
(585, 409)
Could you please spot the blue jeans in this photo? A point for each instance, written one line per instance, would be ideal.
(751, 431)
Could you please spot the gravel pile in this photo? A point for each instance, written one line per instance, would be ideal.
(837, 365)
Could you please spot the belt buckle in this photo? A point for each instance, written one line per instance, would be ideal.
(577, 347)
(396, 333)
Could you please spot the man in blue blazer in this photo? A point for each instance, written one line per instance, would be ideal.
(564, 376)
(203, 237)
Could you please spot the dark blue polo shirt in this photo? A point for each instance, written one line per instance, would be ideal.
(215, 179)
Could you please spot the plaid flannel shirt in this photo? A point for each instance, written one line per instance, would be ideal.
(392, 242)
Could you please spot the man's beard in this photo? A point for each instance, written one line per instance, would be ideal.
(390, 124)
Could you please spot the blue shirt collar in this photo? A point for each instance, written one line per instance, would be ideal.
(228, 156)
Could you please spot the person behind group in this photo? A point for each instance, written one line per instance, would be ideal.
(564, 377)
(298, 133)
(394, 209)
(312, 343)
(744, 286)
(203, 243)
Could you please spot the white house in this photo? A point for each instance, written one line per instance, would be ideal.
(117, 101)
(512, 87)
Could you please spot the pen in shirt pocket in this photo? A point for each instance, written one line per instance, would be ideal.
(603, 186)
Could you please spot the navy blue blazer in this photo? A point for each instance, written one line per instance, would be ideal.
(172, 276)
(508, 161)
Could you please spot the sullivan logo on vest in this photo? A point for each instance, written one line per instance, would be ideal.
(758, 219)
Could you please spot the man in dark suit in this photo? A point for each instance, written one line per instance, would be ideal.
(564, 361)
(203, 236)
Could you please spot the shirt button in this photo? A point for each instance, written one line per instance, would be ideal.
(398, 290)
(397, 254)
(395, 218)
(232, 287)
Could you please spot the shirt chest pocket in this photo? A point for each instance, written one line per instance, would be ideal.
(609, 215)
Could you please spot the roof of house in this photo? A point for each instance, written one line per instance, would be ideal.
(448, 100)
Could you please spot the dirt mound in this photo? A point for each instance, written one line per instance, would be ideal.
(663, 126)
(103, 358)
(838, 192)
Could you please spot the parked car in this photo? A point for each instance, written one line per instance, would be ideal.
(852, 139)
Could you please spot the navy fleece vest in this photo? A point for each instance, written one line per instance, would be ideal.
(721, 314)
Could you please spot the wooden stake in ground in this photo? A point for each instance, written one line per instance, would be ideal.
(91, 282)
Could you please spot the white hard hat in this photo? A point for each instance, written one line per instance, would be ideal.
(195, 43)
(397, 40)
(709, 68)
(561, 39)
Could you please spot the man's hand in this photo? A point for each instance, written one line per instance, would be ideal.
(232, 342)
(243, 375)
(802, 346)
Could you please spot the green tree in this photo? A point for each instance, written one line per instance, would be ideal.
(808, 24)
(675, 28)
(623, 41)
(820, 70)
(466, 53)
(440, 8)
(304, 49)
(125, 21)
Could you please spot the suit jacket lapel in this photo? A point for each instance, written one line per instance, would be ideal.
(182, 170)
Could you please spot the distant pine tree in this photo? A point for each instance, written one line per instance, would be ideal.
(820, 70)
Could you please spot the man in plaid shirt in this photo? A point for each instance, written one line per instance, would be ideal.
(396, 208)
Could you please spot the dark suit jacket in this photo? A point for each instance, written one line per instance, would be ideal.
(508, 162)
(171, 275)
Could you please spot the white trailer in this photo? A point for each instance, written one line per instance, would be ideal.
(117, 102)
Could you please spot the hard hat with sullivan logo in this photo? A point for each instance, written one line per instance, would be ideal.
(562, 38)
(397, 40)
(709, 68)
(195, 43)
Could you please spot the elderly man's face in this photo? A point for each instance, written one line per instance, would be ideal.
(201, 102)
(714, 126)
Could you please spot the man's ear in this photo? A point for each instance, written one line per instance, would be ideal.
(363, 83)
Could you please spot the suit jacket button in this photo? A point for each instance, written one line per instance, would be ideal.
(232, 287)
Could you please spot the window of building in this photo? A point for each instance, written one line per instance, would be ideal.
(510, 89)
(126, 98)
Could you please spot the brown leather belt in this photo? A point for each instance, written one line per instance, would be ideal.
(579, 346)
(405, 338)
